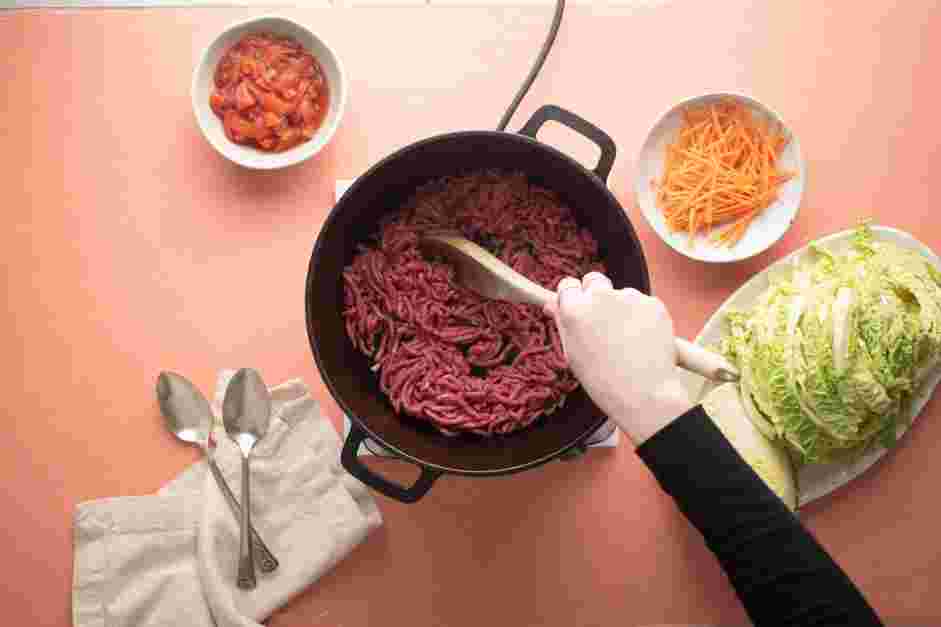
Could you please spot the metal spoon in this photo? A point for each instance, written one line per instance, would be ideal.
(245, 412)
(187, 415)
(478, 270)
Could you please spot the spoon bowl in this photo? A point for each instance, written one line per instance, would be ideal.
(185, 410)
(246, 409)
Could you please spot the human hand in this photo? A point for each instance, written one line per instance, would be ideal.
(620, 346)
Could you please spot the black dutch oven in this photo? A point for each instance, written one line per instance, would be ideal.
(356, 217)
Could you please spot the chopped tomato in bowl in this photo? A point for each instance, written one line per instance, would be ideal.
(268, 93)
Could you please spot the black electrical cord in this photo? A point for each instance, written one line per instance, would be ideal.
(534, 71)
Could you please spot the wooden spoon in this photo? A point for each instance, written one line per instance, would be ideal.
(480, 271)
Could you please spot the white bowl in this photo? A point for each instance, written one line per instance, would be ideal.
(211, 125)
(765, 230)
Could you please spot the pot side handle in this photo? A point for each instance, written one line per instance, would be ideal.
(581, 126)
(379, 483)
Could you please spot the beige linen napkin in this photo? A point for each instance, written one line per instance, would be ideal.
(171, 558)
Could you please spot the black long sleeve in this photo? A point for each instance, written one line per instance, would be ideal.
(779, 571)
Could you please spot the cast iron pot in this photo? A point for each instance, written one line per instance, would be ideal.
(356, 217)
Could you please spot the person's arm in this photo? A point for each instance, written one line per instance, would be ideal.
(620, 345)
(779, 571)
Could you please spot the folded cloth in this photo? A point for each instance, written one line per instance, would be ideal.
(171, 558)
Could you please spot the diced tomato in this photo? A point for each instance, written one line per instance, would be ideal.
(229, 93)
(290, 137)
(225, 74)
(265, 78)
(253, 87)
(269, 92)
(287, 80)
(248, 66)
(216, 101)
(262, 131)
(255, 41)
(229, 122)
(306, 67)
(243, 97)
(270, 102)
(308, 110)
(237, 128)
(275, 52)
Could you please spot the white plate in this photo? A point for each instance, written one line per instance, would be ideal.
(818, 480)
(764, 231)
(211, 125)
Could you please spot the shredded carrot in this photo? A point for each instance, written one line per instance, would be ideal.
(720, 172)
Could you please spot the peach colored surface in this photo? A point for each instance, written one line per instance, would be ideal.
(131, 246)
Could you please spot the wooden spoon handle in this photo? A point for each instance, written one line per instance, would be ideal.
(532, 293)
(703, 362)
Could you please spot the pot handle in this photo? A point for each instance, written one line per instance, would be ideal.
(379, 483)
(581, 126)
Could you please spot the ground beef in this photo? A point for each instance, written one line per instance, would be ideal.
(443, 353)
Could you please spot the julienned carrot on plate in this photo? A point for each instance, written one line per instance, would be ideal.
(720, 172)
